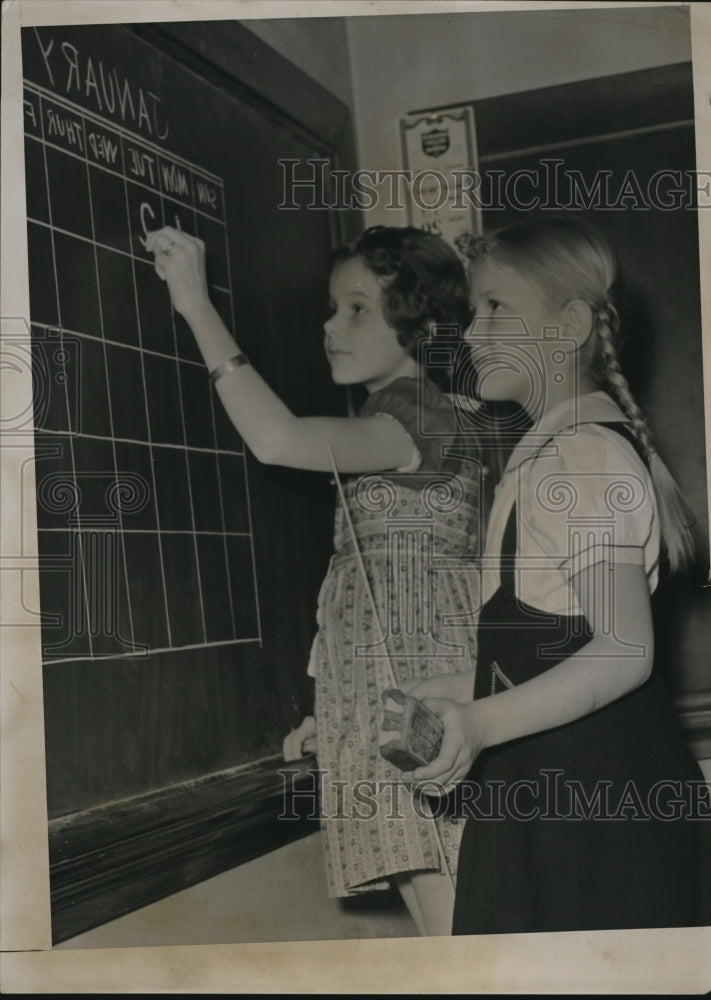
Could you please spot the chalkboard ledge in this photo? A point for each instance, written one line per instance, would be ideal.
(107, 861)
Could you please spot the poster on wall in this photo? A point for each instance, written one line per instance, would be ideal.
(439, 153)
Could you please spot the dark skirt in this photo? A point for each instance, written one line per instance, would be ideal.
(602, 823)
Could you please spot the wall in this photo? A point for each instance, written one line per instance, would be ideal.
(384, 66)
(402, 64)
(317, 45)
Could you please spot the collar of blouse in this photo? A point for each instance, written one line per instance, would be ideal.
(591, 408)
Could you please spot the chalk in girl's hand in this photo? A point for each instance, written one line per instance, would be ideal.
(418, 731)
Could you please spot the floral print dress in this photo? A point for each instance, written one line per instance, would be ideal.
(417, 533)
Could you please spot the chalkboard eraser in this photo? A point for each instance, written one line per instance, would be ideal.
(417, 731)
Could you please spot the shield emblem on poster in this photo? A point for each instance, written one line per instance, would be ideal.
(435, 142)
(439, 146)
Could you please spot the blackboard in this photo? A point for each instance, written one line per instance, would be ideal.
(178, 577)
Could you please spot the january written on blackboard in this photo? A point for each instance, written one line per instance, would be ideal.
(77, 73)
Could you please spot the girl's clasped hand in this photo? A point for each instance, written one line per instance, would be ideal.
(450, 697)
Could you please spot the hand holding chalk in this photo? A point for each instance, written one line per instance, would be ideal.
(180, 261)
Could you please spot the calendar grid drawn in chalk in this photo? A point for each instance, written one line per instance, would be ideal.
(144, 522)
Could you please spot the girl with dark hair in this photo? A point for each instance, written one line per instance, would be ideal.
(402, 590)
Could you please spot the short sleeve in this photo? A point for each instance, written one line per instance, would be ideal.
(589, 498)
(426, 415)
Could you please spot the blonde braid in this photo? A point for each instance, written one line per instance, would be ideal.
(675, 516)
(607, 326)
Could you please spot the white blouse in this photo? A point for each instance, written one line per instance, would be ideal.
(583, 495)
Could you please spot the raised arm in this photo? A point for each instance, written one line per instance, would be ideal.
(270, 430)
(614, 597)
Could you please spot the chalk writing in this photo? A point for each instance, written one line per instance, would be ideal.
(145, 210)
(31, 114)
(174, 180)
(64, 127)
(140, 164)
(80, 74)
(102, 147)
(206, 195)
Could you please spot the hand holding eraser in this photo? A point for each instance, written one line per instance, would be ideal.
(418, 731)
